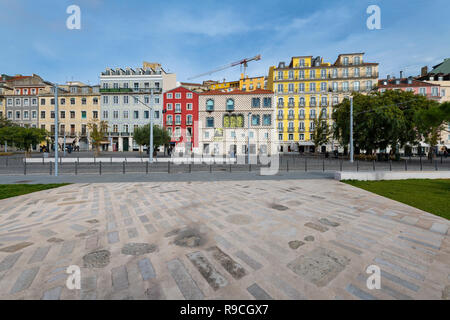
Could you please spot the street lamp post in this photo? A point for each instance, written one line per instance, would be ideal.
(351, 129)
(248, 137)
(150, 151)
(56, 130)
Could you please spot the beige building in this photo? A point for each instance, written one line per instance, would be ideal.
(78, 104)
(308, 88)
(228, 119)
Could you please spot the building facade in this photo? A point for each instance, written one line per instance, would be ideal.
(180, 110)
(126, 97)
(228, 119)
(245, 83)
(78, 104)
(430, 90)
(22, 105)
(308, 88)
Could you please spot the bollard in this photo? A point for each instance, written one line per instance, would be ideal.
(168, 166)
(373, 165)
(50, 163)
(146, 167)
(287, 165)
(123, 167)
(420, 163)
(340, 165)
(190, 168)
(210, 168)
(25, 167)
(100, 168)
(357, 165)
(306, 165)
(435, 165)
(323, 165)
(6, 160)
(76, 168)
(390, 165)
(249, 167)
(406, 165)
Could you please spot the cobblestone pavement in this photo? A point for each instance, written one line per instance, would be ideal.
(291, 239)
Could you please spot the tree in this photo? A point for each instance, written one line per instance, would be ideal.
(161, 136)
(322, 131)
(393, 118)
(97, 133)
(22, 137)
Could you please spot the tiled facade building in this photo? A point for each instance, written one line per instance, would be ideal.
(180, 118)
(308, 88)
(125, 95)
(224, 125)
(78, 104)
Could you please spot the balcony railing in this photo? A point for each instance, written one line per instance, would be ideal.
(280, 129)
(280, 117)
(301, 116)
(169, 123)
(280, 105)
(291, 117)
(291, 104)
(291, 129)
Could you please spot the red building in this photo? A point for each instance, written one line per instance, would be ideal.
(180, 111)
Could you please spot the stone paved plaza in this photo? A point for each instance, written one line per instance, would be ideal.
(286, 239)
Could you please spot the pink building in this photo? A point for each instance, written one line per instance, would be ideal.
(430, 90)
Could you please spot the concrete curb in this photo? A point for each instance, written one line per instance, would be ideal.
(391, 175)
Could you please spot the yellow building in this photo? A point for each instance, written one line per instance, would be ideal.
(78, 104)
(308, 88)
(245, 84)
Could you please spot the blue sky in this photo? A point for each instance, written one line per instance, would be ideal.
(190, 37)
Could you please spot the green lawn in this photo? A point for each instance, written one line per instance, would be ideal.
(429, 195)
(13, 190)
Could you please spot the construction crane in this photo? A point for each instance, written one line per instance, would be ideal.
(242, 63)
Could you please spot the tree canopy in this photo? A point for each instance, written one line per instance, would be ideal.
(161, 136)
(20, 137)
(394, 118)
(97, 132)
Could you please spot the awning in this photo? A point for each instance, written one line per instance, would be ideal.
(68, 140)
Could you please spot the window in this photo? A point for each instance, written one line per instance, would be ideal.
(169, 119)
(116, 114)
(177, 95)
(280, 87)
(83, 100)
(291, 87)
(169, 96)
(136, 114)
(255, 120)
(62, 101)
(324, 101)
(323, 86)
(312, 87)
(312, 74)
(42, 114)
(95, 100)
(169, 106)
(189, 95)
(178, 119)
(356, 60)
(301, 87)
(230, 105)
(26, 102)
(345, 73)
(105, 99)
(18, 102)
(323, 73)
(125, 114)
(83, 114)
(280, 75)
(10, 102)
(105, 114)
(125, 99)
(63, 114)
(256, 102)
(356, 86)
(280, 136)
(178, 107)
(345, 61)
(210, 105)
(267, 120)
(189, 106)
(267, 102)
(9, 114)
(72, 100)
(95, 114)
(345, 86)
(434, 91)
(26, 115)
(115, 99)
(301, 126)
(34, 101)
(356, 72)
(312, 102)
(280, 102)
(72, 114)
(136, 85)
(422, 91)
(115, 128)
(335, 86)
(301, 114)
(146, 99)
(369, 71)
(301, 74)
(17, 114)
(291, 136)
(301, 137)
(210, 122)
(189, 119)
(156, 114)
(146, 114)
(302, 102)
(52, 114)
(291, 74)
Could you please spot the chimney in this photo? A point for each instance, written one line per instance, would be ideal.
(424, 71)
(401, 74)
(388, 77)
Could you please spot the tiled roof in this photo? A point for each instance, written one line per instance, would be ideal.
(391, 83)
(443, 67)
(234, 92)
